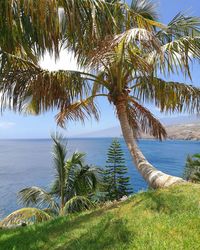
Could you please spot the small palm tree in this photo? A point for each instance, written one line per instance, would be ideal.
(192, 168)
(72, 190)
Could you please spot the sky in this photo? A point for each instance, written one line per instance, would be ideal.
(19, 126)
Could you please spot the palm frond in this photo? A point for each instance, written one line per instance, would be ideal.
(142, 14)
(95, 20)
(25, 215)
(180, 26)
(176, 55)
(77, 159)
(77, 204)
(138, 37)
(100, 84)
(59, 154)
(59, 151)
(72, 167)
(36, 26)
(143, 120)
(78, 111)
(22, 83)
(35, 196)
(81, 179)
(119, 58)
(15, 73)
(168, 96)
(180, 44)
(146, 8)
(86, 22)
(29, 27)
(86, 180)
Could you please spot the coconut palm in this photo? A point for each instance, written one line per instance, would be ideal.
(127, 68)
(192, 168)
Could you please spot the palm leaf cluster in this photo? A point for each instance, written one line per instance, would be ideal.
(29, 27)
(124, 49)
(192, 168)
(87, 22)
(168, 96)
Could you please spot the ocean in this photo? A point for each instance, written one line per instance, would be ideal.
(25, 163)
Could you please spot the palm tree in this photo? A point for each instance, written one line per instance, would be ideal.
(192, 168)
(72, 190)
(125, 65)
(73, 185)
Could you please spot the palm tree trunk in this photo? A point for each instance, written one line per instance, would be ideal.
(62, 199)
(154, 177)
(62, 204)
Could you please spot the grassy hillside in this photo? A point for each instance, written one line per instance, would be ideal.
(164, 219)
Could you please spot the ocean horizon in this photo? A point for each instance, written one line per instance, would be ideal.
(28, 162)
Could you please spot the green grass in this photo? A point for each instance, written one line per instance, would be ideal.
(164, 219)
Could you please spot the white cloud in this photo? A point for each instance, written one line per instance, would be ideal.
(65, 62)
(7, 125)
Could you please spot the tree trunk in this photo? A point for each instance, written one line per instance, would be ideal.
(154, 177)
(62, 200)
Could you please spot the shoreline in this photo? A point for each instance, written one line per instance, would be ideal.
(93, 138)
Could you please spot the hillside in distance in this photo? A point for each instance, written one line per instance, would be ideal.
(178, 128)
(190, 131)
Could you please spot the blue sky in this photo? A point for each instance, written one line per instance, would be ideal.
(19, 126)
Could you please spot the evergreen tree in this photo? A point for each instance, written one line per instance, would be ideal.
(192, 168)
(117, 183)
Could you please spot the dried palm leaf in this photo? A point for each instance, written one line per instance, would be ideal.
(25, 215)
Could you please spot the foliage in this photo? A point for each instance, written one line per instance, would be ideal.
(74, 184)
(25, 215)
(122, 48)
(77, 204)
(115, 175)
(29, 28)
(192, 168)
(163, 219)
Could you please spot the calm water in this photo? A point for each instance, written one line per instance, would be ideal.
(28, 162)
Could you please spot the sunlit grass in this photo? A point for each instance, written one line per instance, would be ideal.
(164, 219)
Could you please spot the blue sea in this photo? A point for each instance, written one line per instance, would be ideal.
(26, 163)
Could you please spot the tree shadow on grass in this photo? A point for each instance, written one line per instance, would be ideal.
(109, 233)
(47, 233)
